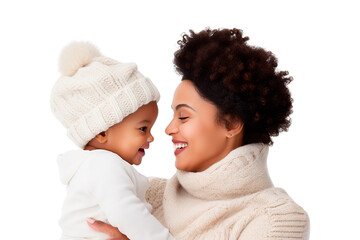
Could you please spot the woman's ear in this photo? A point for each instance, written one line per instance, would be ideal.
(102, 137)
(234, 126)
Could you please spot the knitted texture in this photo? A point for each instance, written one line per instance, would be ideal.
(233, 199)
(95, 92)
(287, 221)
(155, 192)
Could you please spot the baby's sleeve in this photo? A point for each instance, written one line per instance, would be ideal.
(113, 187)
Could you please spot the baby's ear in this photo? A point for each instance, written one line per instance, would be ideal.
(102, 137)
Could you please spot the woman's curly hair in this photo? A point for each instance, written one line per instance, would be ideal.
(241, 80)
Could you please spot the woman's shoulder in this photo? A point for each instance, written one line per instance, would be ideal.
(281, 218)
(278, 200)
(287, 219)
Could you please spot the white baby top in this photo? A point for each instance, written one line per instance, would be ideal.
(103, 186)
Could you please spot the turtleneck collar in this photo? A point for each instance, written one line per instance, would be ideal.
(243, 171)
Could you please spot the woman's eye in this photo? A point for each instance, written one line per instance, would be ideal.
(143, 129)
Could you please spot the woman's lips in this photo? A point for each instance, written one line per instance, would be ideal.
(179, 146)
(178, 151)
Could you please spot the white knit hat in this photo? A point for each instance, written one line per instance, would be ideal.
(96, 92)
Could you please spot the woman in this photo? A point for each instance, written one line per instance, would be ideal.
(229, 105)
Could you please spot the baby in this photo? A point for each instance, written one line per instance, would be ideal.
(108, 109)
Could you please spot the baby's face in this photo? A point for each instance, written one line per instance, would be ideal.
(132, 136)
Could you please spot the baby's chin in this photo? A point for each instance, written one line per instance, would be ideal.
(136, 161)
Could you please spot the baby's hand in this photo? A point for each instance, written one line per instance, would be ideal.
(113, 232)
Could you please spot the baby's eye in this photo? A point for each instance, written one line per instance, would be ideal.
(143, 129)
(183, 118)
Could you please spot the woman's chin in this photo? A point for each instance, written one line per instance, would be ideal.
(180, 165)
(183, 166)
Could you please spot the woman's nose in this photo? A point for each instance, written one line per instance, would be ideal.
(171, 128)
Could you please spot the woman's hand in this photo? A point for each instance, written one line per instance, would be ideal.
(113, 232)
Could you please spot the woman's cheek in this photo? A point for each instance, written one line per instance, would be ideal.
(187, 131)
(197, 137)
(190, 134)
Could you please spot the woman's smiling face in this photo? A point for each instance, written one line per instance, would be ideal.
(200, 140)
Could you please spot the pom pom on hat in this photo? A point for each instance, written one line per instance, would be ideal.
(76, 55)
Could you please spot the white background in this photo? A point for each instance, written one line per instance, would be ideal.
(316, 161)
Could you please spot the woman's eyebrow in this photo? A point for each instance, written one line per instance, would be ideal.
(183, 105)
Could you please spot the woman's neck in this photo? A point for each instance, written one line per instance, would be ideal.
(232, 144)
(243, 171)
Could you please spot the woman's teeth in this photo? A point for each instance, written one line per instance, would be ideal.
(179, 146)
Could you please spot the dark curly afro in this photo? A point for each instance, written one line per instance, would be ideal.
(241, 80)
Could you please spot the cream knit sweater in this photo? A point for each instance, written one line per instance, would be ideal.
(233, 199)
